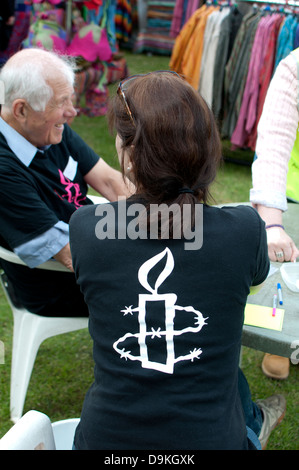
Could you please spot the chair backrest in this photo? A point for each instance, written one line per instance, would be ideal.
(10, 256)
(64, 432)
(32, 432)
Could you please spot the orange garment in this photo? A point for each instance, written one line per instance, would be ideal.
(187, 51)
(191, 63)
(182, 40)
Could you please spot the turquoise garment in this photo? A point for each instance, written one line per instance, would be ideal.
(286, 39)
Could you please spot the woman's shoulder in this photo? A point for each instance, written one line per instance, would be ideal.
(237, 218)
(82, 217)
(244, 212)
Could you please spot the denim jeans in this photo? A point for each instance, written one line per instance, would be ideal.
(253, 415)
(252, 437)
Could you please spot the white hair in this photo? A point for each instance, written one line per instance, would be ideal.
(28, 73)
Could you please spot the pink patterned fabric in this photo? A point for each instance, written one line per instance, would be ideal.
(91, 43)
(53, 2)
(19, 33)
(247, 116)
(48, 35)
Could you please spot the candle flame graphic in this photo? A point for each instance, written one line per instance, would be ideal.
(149, 264)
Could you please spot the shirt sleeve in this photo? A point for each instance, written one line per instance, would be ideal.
(276, 136)
(43, 247)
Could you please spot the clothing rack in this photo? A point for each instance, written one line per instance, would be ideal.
(286, 3)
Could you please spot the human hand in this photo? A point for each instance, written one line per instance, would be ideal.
(64, 257)
(10, 21)
(280, 245)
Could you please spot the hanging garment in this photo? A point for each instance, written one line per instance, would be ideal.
(53, 2)
(248, 107)
(187, 51)
(177, 18)
(266, 73)
(156, 38)
(104, 16)
(192, 6)
(191, 63)
(211, 41)
(286, 39)
(123, 20)
(46, 34)
(229, 29)
(296, 40)
(182, 40)
(18, 35)
(263, 49)
(93, 4)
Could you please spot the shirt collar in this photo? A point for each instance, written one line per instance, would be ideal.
(21, 147)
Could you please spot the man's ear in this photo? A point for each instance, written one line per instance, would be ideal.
(20, 109)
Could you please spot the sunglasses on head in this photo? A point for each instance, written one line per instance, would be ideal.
(123, 86)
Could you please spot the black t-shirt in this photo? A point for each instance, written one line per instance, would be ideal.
(166, 325)
(33, 199)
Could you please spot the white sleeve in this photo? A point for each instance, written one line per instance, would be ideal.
(277, 132)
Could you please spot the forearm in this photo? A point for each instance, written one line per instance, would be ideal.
(115, 186)
(108, 182)
(270, 215)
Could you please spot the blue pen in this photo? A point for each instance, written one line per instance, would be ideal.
(279, 293)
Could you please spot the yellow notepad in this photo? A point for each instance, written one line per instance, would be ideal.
(257, 315)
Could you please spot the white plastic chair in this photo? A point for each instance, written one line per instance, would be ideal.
(30, 330)
(34, 431)
(64, 432)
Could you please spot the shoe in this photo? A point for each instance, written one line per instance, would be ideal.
(273, 410)
(276, 367)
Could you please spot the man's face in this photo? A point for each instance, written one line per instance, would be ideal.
(43, 128)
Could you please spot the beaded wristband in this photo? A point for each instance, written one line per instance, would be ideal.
(275, 225)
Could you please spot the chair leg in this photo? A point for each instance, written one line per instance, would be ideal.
(25, 346)
(30, 331)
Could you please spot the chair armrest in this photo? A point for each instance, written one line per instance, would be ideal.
(51, 265)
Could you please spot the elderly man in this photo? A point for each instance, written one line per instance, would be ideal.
(45, 169)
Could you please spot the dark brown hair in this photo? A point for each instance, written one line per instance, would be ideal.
(173, 140)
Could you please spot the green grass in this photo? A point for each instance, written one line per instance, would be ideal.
(63, 369)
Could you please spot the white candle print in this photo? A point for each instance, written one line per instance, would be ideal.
(169, 333)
